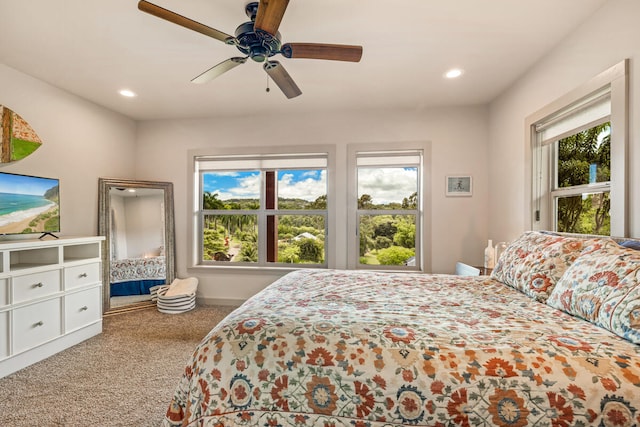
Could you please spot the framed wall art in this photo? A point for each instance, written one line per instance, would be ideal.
(459, 185)
(18, 138)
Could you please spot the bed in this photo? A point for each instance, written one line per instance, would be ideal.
(135, 276)
(540, 342)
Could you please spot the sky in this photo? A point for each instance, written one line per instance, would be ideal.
(22, 184)
(386, 185)
(383, 184)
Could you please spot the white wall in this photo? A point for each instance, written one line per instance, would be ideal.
(145, 225)
(139, 225)
(459, 146)
(118, 229)
(609, 36)
(81, 142)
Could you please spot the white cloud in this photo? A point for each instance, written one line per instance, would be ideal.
(386, 185)
(309, 188)
(312, 185)
(248, 188)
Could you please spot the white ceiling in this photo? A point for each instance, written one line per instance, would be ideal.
(94, 48)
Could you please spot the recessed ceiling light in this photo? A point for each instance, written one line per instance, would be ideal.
(453, 73)
(127, 93)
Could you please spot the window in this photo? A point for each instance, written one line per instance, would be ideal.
(580, 191)
(578, 153)
(278, 208)
(386, 207)
(262, 209)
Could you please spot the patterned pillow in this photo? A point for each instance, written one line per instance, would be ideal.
(535, 261)
(603, 287)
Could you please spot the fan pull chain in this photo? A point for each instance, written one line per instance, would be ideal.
(267, 90)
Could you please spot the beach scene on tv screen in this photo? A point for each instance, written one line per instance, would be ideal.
(29, 204)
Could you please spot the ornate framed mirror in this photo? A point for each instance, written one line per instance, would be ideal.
(137, 220)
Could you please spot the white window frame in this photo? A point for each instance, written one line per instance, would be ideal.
(556, 192)
(540, 212)
(423, 218)
(194, 203)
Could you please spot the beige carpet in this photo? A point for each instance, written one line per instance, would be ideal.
(122, 377)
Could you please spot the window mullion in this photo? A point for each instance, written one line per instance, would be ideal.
(581, 189)
(388, 211)
(270, 188)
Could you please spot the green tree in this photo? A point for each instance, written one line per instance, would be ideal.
(395, 255)
(249, 249)
(366, 233)
(319, 203)
(411, 202)
(406, 232)
(385, 226)
(311, 250)
(290, 254)
(365, 202)
(210, 201)
(576, 154)
(383, 242)
(213, 241)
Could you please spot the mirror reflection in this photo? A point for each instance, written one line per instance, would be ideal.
(136, 217)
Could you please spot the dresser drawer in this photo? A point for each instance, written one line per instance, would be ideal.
(4, 292)
(31, 286)
(81, 275)
(4, 334)
(82, 308)
(36, 324)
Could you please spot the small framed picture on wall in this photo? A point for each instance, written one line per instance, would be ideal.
(459, 185)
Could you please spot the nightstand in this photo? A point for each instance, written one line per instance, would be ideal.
(485, 271)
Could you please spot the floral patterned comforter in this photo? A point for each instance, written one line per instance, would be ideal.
(124, 270)
(361, 348)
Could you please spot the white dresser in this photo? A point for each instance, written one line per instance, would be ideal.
(50, 297)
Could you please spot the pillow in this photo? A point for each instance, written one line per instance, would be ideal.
(535, 261)
(631, 244)
(603, 287)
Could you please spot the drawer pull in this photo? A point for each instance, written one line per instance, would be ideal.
(38, 285)
(40, 323)
(85, 308)
(83, 275)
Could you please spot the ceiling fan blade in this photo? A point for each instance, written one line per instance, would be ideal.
(170, 16)
(269, 16)
(218, 70)
(284, 81)
(334, 52)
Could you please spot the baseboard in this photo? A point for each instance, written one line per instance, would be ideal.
(234, 302)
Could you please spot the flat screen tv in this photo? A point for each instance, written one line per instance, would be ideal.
(29, 204)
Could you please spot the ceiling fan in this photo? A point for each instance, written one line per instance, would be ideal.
(259, 40)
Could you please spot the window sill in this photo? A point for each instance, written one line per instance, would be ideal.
(247, 269)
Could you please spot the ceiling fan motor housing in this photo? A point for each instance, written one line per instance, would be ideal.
(256, 44)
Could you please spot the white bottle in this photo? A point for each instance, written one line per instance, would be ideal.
(489, 255)
(500, 247)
